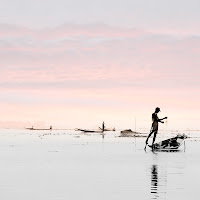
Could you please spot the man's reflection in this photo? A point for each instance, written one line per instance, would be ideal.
(154, 179)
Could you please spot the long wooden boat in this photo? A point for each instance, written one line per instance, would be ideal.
(88, 131)
(39, 129)
(170, 144)
(107, 129)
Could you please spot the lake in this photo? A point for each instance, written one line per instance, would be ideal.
(67, 164)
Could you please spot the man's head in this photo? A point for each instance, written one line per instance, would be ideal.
(157, 110)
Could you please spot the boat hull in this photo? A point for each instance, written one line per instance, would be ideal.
(170, 144)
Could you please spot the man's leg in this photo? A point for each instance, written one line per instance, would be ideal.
(154, 137)
(149, 136)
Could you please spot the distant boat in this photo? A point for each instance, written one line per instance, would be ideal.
(128, 133)
(107, 129)
(88, 131)
(38, 129)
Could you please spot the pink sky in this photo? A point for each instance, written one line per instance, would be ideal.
(73, 76)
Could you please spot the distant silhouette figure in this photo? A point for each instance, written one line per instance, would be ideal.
(103, 126)
(154, 127)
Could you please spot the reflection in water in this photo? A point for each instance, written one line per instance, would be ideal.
(166, 175)
(158, 183)
(154, 179)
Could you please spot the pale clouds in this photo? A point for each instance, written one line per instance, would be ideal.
(88, 61)
(180, 15)
(70, 72)
(97, 56)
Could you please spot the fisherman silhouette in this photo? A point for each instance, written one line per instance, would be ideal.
(154, 127)
(103, 126)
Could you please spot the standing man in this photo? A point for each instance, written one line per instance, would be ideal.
(154, 127)
(103, 126)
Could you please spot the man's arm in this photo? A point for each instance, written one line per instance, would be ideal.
(163, 118)
(160, 120)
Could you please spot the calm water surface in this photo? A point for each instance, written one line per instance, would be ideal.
(69, 165)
